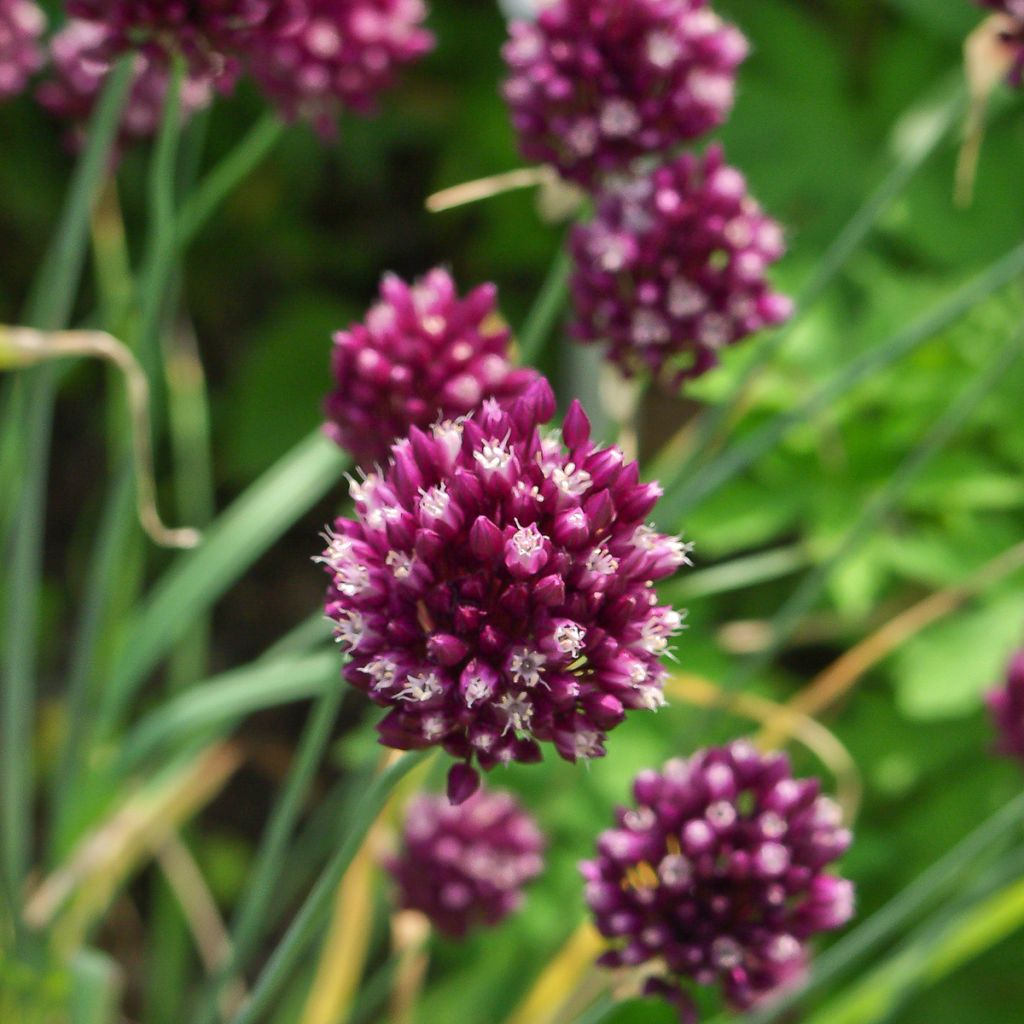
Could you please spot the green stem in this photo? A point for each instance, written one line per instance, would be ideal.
(198, 578)
(688, 493)
(104, 571)
(317, 907)
(49, 309)
(161, 249)
(262, 887)
(226, 177)
(189, 423)
(546, 309)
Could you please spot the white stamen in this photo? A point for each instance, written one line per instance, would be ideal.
(602, 562)
(421, 687)
(519, 712)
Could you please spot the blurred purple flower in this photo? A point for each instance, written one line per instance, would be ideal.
(212, 34)
(1007, 707)
(347, 53)
(422, 353)
(718, 875)
(496, 588)
(22, 23)
(81, 55)
(595, 84)
(673, 268)
(465, 865)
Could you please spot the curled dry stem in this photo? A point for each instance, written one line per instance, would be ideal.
(23, 346)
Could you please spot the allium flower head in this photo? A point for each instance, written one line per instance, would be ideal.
(1007, 707)
(673, 268)
(213, 34)
(496, 588)
(718, 875)
(348, 52)
(595, 84)
(423, 353)
(80, 59)
(465, 865)
(21, 26)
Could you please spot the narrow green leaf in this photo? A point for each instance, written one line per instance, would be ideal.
(222, 701)
(232, 544)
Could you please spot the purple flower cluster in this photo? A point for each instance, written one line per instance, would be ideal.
(673, 268)
(718, 874)
(1012, 33)
(21, 25)
(80, 65)
(212, 34)
(345, 55)
(421, 353)
(465, 865)
(312, 57)
(1007, 707)
(595, 84)
(495, 588)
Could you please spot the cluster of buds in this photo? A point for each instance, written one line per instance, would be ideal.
(346, 54)
(496, 588)
(717, 875)
(463, 865)
(1006, 704)
(22, 23)
(595, 84)
(79, 69)
(673, 268)
(421, 354)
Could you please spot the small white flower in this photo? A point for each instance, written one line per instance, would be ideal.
(569, 638)
(349, 629)
(422, 687)
(526, 666)
(494, 456)
(602, 562)
(518, 711)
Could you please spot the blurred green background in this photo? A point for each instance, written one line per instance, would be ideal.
(819, 122)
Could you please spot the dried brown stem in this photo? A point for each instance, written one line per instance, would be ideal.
(22, 346)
